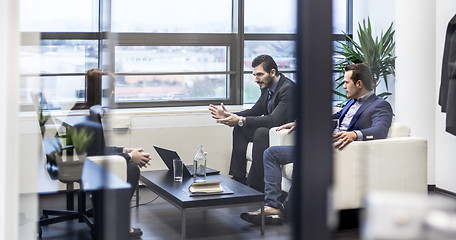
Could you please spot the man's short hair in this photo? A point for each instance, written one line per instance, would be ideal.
(361, 72)
(267, 62)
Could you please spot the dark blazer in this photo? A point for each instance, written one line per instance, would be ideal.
(281, 105)
(373, 118)
(447, 94)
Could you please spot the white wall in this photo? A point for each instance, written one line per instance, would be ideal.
(445, 142)
(415, 71)
(381, 13)
(180, 129)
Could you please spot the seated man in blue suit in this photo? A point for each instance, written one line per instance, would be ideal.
(364, 117)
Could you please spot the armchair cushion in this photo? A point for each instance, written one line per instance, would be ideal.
(398, 129)
(113, 163)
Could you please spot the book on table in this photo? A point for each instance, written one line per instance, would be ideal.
(206, 187)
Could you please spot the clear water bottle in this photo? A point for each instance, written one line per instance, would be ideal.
(199, 165)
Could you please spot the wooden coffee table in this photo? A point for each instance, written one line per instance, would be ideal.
(161, 182)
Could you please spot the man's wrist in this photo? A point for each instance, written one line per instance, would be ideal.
(358, 135)
(241, 121)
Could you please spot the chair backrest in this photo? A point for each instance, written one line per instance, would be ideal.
(398, 129)
(96, 112)
(51, 148)
(97, 144)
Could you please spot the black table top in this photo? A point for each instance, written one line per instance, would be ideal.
(162, 183)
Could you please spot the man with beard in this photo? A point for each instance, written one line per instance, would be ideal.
(273, 108)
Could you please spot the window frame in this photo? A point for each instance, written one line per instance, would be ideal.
(234, 42)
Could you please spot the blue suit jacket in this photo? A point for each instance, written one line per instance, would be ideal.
(373, 118)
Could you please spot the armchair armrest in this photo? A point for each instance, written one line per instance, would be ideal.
(279, 138)
(276, 138)
(392, 164)
(113, 163)
(397, 164)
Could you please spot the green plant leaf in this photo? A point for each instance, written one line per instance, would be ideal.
(384, 95)
(339, 94)
(80, 138)
(377, 52)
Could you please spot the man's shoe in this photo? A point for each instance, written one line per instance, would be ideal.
(137, 233)
(272, 216)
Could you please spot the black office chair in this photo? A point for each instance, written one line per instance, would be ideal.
(70, 171)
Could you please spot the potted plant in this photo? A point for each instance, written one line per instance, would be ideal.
(42, 118)
(376, 53)
(80, 140)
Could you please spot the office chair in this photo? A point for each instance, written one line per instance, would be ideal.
(69, 171)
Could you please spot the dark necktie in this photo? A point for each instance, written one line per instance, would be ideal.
(269, 100)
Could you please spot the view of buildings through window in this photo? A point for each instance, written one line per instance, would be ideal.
(188, 57)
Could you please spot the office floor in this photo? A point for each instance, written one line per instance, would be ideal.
(161, 220)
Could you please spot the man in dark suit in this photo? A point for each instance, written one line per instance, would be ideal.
(273, 108)
(364, 117)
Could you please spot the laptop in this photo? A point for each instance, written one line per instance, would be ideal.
(168, 155)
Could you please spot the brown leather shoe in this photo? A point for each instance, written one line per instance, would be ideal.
(272, 216)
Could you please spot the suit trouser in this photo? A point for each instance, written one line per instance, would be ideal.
(274, 158)
(133, 173)
(241, 137)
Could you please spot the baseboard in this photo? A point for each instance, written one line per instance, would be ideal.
(431, 188)
(445, 192)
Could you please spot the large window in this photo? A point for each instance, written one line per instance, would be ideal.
(162, 55)
(171, 16)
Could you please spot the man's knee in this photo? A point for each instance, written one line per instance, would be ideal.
(268, 155)
(133, 171)
(261, 134)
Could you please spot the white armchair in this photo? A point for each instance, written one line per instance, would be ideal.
(114, 164)
(397, 163)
